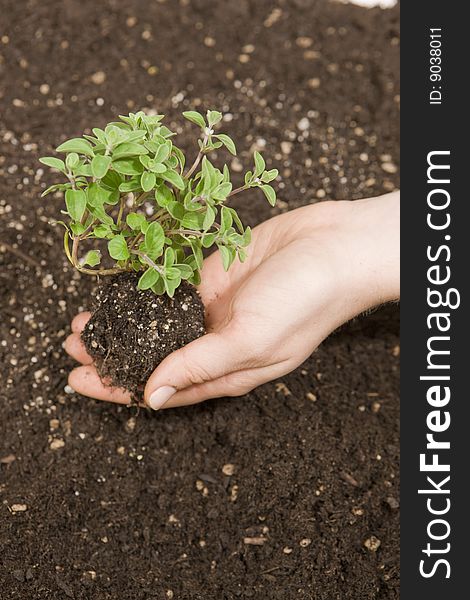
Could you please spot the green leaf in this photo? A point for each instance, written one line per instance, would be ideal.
(170, 257)
(83, 170)
(92, 258)
(98, 195)
(56, 187)
(159, 287)
(163, 195)
(192, 220)
(209, 218)
(241, 255)
(260, 165)
(176, 210)
(208, 240)
(77, 228)
(268, 176)
(195, 117)
(156, 167)
(213, 117)
(102, 231)
(129, 149)
(185, 271)
(180, 157)
(227, 142)
(100, 135)
(174, 178)
(75, 201)
(78, 145)
(135, 220)
(235, 218)
(112, 180)
(148, 279)
(72, 160)
(247, 237)
(99, 213)
(221, 191)
(117, 248)
(100, 165)
(54, 163)
(162, 153)
(225, 220)
(128, 166)
(171, 285)
(270, 194)
(197, 252)
(227, 256)
(131, 185)
(148, 181)
(154, 240)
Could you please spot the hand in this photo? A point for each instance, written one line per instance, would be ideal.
(308, 271)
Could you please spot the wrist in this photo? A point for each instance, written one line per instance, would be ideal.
(370, 249)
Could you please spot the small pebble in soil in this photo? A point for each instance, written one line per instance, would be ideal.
(54, 424)
(282, 387)
(254, 541)
(286, 147)
(8, 459)
(98, 78)
(389, 167)
(372, 543)
(57, 444)
(234, 493)
(228, 469)
(314, 83)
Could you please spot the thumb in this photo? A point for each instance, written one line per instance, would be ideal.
(209, 357)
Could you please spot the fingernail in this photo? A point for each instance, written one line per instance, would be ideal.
(161, 396)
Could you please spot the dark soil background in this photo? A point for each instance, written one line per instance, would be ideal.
(285, 493)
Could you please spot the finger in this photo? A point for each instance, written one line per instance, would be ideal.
(86, 381)
(74, 346)
(207, 358)
(232, 385)
(80, 321)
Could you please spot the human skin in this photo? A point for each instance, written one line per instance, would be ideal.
(308, 271)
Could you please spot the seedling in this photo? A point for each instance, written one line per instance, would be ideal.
(128, 184)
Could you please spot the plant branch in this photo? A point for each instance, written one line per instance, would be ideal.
(198, 158)
(242, 188)
(149, 261)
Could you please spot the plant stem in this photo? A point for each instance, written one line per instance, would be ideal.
(198, 158)
(73, 258)
(149, 261)
(242, 188)
(121, 210)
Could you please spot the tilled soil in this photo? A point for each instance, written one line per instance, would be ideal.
(285, 493)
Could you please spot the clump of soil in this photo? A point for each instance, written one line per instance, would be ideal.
(131, 331)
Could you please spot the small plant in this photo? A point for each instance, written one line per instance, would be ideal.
(113, 175)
